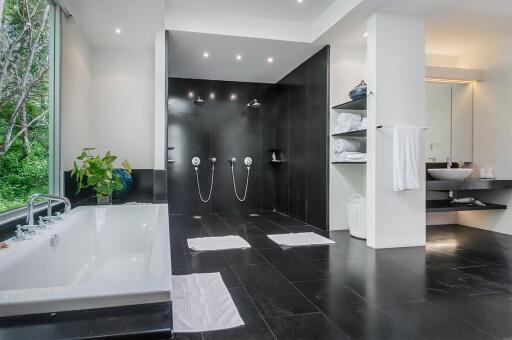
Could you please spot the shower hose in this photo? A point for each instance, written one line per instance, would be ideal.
(246, 182)
(199, 187)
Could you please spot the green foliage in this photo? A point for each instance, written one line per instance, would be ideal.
(24, 158)
(96, 172)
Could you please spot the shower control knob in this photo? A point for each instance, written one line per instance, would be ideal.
(248, 161)
(196, 161)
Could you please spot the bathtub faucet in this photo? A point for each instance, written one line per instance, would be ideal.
(49, 199)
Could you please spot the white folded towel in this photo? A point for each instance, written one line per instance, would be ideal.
(350, 157)
(343, 145)
(299, 239)
(347, 122)
(406, 150)
(343, 116)
(217, 243)
(364, 123)
(356, 156)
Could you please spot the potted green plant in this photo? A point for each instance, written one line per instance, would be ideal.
(96, 172)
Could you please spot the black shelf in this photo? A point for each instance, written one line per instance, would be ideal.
(277, 162)
(348, 162)
(358, 104)
(357, 133)
(445, 206)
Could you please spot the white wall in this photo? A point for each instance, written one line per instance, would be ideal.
(76, 80)
(492, 128)
(396, 74)
(123, 101)
(347, 69)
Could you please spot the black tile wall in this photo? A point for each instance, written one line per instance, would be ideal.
(300, 129)
(293, 117)
(220, 128)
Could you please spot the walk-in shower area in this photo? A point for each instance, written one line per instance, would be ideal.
(249, 146)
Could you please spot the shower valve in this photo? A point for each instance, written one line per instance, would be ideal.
(196, 161)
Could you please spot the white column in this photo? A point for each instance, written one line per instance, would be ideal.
(160, 100)
(396, 76)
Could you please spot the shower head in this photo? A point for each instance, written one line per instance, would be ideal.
(199, 101)
(255, 104)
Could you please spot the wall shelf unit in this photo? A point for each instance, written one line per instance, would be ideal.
(358, 104)
(357, 133)
(445, 206)
(348, 162)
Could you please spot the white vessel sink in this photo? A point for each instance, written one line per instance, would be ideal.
(450, 174)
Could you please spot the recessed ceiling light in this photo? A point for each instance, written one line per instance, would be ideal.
(191, 94)
(299, 1)
(365, 34)
(233, 96)
(212, 95)
(118, 30)
(206, 54)
(270, 60)
(238, 57)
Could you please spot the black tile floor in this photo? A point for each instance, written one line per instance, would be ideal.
(459, 287)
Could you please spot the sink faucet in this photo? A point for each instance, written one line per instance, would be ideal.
(449, 163)
(50, 199)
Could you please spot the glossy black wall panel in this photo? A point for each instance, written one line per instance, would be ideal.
(221, 128)
(302, 132)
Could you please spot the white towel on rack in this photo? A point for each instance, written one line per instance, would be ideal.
(347, 122)
(406, 146)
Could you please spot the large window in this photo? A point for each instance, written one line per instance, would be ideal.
(26, 100)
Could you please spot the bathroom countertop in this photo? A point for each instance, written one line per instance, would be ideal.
(469, 184)
(136, 322)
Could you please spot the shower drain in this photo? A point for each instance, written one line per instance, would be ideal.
(196, 217)
(254, 215)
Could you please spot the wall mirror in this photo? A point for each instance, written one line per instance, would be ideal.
(450, 114)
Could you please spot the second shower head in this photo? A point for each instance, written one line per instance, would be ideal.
(255, 104)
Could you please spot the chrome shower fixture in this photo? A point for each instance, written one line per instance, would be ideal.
(199, 101)
(255, 104)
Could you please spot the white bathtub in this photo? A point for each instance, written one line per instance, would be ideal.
(107, 256)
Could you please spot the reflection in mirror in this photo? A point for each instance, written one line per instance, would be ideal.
(450, 114)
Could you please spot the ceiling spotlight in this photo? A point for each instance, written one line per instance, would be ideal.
(365, 34)
(212, 95)
(191, 94)
(270, 60)
(206, 54)
(118, 30)
(239, 57)
(233, 96)
(299, 1)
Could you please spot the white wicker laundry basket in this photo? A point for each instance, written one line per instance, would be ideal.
(356, 212)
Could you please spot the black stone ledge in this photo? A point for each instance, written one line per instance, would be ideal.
(149, 321)
(469, 184)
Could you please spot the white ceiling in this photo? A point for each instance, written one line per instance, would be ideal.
(284, 10)
(139, 20)
(457, 26)
(187, 61)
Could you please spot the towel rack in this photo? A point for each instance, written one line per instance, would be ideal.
(392, 126)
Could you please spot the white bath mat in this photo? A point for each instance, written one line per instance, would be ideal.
(299, 239)
(217, 243)
(202, 303)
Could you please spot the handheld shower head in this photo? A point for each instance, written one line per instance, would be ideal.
(255, 104)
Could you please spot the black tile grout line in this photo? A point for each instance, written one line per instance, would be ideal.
(245, 290)
(311, 302)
